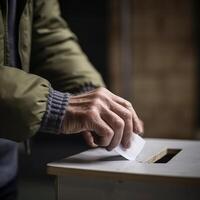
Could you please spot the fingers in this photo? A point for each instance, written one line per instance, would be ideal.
(126, 115)
(142, 125)
(89, 139)
(112, 118)
(117, 124)
(103, 130)
(137, 125)
(121, 117)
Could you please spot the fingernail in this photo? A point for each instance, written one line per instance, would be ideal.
(127, 145)
(138, 129)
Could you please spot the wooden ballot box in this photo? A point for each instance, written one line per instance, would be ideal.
(165, 169)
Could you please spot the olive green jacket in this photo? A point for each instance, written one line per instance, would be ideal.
(50, 57)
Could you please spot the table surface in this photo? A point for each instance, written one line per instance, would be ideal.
(99, 162)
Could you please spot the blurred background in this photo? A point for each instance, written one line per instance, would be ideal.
(148, 51)
(154, 61)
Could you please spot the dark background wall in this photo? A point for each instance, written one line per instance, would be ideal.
(164, 87)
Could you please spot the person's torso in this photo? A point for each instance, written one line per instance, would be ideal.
(16, 30)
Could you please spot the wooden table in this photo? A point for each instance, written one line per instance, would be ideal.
(165, 169)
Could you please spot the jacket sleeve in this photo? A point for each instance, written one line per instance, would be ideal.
(23, 102)
(56, 54)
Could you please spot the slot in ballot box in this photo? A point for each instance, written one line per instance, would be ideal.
(165, 169)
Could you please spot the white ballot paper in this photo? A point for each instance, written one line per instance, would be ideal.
(136, 147)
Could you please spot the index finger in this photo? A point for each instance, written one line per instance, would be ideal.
(137, 125)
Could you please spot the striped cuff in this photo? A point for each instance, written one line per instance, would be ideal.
(56, 107)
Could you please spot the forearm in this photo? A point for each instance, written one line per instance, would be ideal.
(62, 60)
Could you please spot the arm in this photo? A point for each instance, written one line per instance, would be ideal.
(23, 101)
(58, 58)
(56, 54)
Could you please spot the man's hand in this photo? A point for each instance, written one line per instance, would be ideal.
(106, 119)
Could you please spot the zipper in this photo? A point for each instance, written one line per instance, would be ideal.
(20, 34)
(5, 22)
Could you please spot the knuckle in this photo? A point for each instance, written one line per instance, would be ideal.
(127, 115)
(128, 104)
(110, 133)
(119, 124)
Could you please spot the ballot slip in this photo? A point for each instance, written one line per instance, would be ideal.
(137, 144)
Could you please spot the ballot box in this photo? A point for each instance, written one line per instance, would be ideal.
(165, 169)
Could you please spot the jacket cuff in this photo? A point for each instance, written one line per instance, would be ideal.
(56, 108)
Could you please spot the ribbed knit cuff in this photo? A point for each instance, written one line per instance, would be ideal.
(56, 108)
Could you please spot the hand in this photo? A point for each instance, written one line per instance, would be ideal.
(89, 138)
(106, 119)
